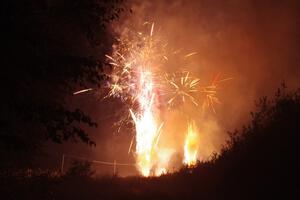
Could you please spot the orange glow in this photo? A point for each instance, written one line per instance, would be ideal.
(140, 79)
(145, 124)
(191, 146)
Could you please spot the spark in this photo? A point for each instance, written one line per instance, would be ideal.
(111, 58)
(82, 91)
(131, 142)
(190, 54)
(152, 28)
(159, 133)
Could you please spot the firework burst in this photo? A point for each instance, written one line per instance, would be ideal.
(138, 79)
(180, 88)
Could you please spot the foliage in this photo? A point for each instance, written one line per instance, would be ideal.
(80, 169)
(259, 162)
(42, 64)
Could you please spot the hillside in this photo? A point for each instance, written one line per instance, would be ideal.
(259, 161)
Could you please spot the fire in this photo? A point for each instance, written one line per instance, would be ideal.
(139, 80)
(145, 124)
(191, 146)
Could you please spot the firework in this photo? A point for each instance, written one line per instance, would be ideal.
(181, 88)
(132, 80)
(145, 123)
(210, 92)
(138, 80)
(191, 145)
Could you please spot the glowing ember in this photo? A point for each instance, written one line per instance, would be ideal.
(191, 146)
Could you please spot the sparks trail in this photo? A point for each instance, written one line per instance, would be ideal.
(210, 92)
(82, 91)
(145, 124)
(138, 79)
(181, 87)
(191, 145)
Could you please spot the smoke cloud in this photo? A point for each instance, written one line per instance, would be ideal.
(257, 43)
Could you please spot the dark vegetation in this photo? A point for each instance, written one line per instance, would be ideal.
(42, 63)
(259, 161)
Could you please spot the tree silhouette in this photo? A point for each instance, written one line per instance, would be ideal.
(261, 158)
(80, 169)
(39, 68)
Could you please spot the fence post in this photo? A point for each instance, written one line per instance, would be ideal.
(62, 164)
(115, 166)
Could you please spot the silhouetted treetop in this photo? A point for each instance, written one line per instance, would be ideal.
(49, 47)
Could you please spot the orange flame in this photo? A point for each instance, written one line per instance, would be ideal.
(145, 124)
(191, 146)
